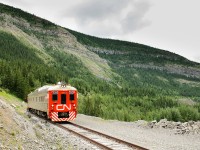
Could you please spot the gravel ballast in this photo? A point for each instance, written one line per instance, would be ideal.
(141, 134)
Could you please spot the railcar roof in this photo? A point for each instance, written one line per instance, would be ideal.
(47, 88)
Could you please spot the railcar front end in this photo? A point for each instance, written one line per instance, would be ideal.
(62, 105)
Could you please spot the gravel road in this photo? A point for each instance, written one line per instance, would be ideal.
(155, 139)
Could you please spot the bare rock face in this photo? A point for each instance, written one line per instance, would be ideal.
(57, 39)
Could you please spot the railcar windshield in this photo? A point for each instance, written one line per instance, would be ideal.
(63, 98)
(71, 96)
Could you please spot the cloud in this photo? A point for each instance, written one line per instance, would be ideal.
(105, 18)
(134, 19)
(16, 2)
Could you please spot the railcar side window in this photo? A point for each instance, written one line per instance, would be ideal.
(55, 97)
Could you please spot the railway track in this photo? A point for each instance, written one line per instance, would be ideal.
(101, 140)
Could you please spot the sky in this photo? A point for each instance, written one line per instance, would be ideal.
(172, 25)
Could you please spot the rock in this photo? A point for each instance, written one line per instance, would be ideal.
(2, 147)
(185, 124)
(177, 131)
(36, 141)
(191, 123)
(13, 105)
(178, 123)
(1, 125)
(190, 127)
(40, 125)
(195, 127)
(53, 148)
(142, 123)
(22, 148)
(34, 119)
(163, 120)
(163, 123)
(3, 106)
(152, 123)
(188, 130)
(23, 103)
(170, 125)
(28, 114)
(198, 124)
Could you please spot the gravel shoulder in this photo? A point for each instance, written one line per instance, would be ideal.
(152, 138)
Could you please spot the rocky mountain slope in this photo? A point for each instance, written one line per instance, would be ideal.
(56, 39)
(116, 79)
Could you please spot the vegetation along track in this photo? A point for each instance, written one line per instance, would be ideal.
(101, 140)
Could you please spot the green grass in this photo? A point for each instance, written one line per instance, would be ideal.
(8, 96)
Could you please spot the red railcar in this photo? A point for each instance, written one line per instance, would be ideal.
(57, 102)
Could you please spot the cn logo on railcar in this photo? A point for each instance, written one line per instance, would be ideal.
(63, 107)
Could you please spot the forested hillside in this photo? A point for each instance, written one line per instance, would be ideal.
(115, 79)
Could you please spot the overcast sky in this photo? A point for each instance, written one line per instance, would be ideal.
(172, 25)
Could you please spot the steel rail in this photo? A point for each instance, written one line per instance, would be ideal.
(84, 137)
(112, 138)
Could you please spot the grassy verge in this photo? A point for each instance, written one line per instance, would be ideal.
(19, 105)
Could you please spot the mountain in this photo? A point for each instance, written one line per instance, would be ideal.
(115, 79)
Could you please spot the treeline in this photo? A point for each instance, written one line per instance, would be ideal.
(159, 82)
(136, 108)
(21, 69)
(21, 77)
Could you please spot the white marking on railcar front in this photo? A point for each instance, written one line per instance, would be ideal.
(72, 114)
(62, 107)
